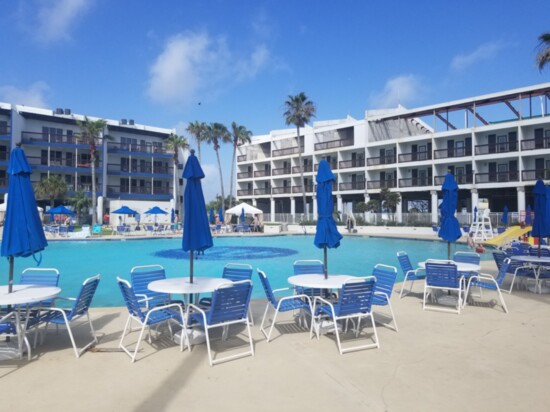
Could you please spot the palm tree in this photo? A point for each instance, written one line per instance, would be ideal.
(52, 188)
(299, 111)
(217, 133)
(198, 130)
(91, 132)
(174, 143)
(81, 204)
(240, 135)
(543, 55)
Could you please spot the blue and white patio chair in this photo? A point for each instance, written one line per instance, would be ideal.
(516, 269)
(141, 277)
(442, 275)
(409, 273)
(10, 328)
(79, 309)
(172, 312)
(385, 281)
(229, 307)
(467, 257)
(355, 302)
(485, 281)
(300, 303)
(309, 267)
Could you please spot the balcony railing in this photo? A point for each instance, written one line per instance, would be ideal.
(333, 165)
(534, 144)
(244, 175)
(241, 158)
(281, 171)
(347, 164)
(30, 137)
(415, 182)
(483, 149)
(383, 160)
(381, 184)
(139, 169)
(63, 162)
(137, 190)
(334, 144)
(264, 191)
(5, 130)
(244, 192)
(460, 179)
(262, 173)
(4, 156)
(352, 186)
(415, 157)
(531, 175)
(136, 148)
(298, 189)
(287, 151)
(280, 190)
(307, 168)
(497, 177)
(452, 152)
(3, 182)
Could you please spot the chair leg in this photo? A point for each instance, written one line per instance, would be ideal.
(502, 300)
(210, 360)
(272, 325)
(393, 316)
(403, 287)
(263, 320)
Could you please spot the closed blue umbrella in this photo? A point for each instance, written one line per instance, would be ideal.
(504, 218)
(172, 216)
(475, 213)
(541, 223)
(528, 219)
(242, 215)
(326, 234)
(450, 228)
(23, 235)
(196, 230)
(220, 214)
(212, 220)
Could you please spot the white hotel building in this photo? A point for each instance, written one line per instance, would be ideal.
(496, 146)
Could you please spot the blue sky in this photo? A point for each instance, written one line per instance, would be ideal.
(156, 61)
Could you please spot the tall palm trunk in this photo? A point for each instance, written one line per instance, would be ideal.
(94, 191)
(302, 182)
(199, 149)
(175, 182)
(221, 180)
(232, 174)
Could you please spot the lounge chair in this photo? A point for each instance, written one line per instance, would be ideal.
(443, 275)
(385, 280)
(409, 272)
(230, 303)
(141, 277)
(172, 312)
(484, 281)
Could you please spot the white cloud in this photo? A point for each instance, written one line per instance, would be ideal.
(211, 182)
(398, 90)
(486, 51)
(193, 67)
(33, 96)
(55, 18)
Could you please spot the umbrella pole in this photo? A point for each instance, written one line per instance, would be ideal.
(448, 250)
(326, 269)
(10, 275)
(191, 253)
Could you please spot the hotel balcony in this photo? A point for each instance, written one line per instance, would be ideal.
(465, 179)
(4, 158)
(244, 175)
(414, 157)
(307, 168)
(377, 161)
(505, 147)
(333, 144)
(55, 140)
(281, 171)
(534, 144)
(138, 192)
(287, 152)
(497, 177)
(298, 189)
(241, 158)
(86, 188)
(262, 173)
(280, 190)
(3, 185)
(138, 149)
(532, 175)
(348, 164)
(244, 192)
(381, 184)
(333, 165)
(139, 170)
(415, 182)
(352, 186)
(452, 152)
(5, 133)
(63, 165)
(263, 191)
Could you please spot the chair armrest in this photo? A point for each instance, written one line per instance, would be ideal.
(326, 302)
(281, 290)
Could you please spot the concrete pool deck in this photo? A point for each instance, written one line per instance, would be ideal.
(482, 359)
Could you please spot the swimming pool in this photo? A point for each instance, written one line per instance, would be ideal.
(77, 260)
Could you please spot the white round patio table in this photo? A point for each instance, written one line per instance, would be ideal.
(184, 287)
(318, 281)
(460, 266)
(539, 262)
(20, 295)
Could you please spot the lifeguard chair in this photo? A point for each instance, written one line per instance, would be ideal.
(481, 227)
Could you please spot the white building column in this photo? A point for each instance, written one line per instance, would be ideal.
(435, 209)
(314, 198)
(399, 212)
(293, 208)
(272, 209)
(475, 199)
(339, 205)
(254, 202)
(367, 198)
(521, 199)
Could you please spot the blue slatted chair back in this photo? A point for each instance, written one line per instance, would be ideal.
(442, 274)
(404, 262)
(467, 257)
(534, 251)
(385, 280)
(84, 298)
(502, 270)
(499, 258)
(308, 267)
(40, 276)
(230, 303)
(237, 271)
(267, 288)
(356, 297)
(143, 275)
(130, 299)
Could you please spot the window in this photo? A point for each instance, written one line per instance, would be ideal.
(502, 143)
(4, 127)
(503, 172)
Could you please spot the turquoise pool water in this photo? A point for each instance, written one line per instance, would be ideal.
(77, 260)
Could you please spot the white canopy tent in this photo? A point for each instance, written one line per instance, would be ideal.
(248, 210)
